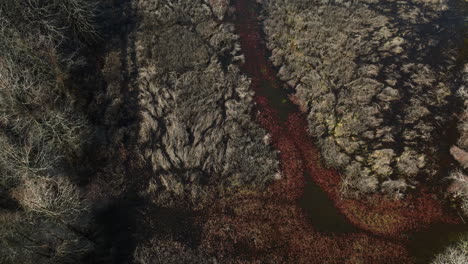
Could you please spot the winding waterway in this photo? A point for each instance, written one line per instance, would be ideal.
(313, 187)
(283, 119)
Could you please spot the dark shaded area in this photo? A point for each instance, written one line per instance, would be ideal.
(278, 98)
(426, 244)
(131, 221)
(170, 223)
(321, 211)
(90, 86)
(116, 229)
(115, 234)
(7, 202)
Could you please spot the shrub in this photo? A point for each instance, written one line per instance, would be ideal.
(459, 189)
(57, 19)
(22, 161)
(41, 130)
(54, 198)
(38, 123)
(25, 240)
(371, 100)
(197, 130)
(457, 254)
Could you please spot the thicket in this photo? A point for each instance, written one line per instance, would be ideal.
(458, 179)
(176, 117)
(196, 131)
(42, 130)
(376, 80)
(164, 102)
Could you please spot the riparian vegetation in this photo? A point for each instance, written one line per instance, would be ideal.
(376, 82)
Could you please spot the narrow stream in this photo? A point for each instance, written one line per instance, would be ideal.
(288, 128)
(273, 102)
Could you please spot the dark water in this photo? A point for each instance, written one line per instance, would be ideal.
(321, 211)
(319, 208)
(323, 215)
(278, 97)
(424, 245)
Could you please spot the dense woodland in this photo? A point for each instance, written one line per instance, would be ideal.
(128, 131)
